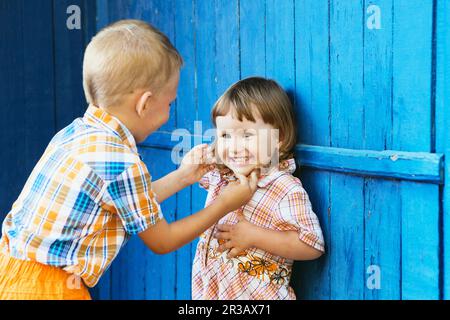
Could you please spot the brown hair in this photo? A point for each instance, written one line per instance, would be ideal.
(125, 56)
(263, 97)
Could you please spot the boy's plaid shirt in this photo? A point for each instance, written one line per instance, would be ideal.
(87, 194)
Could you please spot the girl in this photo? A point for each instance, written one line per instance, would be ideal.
(250, 252)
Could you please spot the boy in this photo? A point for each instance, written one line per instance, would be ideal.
(90, 190)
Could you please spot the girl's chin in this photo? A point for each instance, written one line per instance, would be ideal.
(244, 170)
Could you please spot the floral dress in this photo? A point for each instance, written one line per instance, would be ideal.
(279, 203)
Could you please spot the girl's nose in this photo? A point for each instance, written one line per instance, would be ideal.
(236, 147)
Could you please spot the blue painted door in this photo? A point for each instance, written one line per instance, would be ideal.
(369, 80)
(362, 75)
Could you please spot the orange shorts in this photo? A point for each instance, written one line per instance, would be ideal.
(30, 280)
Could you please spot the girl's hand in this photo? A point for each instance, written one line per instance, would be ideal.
(195, 164)
(236, 237)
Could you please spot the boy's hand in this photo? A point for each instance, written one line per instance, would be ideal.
(195, 164)
(236, 237)
(238, 193)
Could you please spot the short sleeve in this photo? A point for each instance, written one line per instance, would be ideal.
(294, 212)
(134, 200)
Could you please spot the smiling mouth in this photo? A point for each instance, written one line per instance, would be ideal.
(239, 161)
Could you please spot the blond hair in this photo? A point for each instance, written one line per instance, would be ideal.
(125, 56)
(263, 97)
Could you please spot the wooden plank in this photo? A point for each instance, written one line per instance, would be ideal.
(252, 38)
(442, 132)
(169, 139)
(68, 46)
(205, 79)
(280, 57)
(102, 291)
(412, 76)
(413, 116)
(160, 268)
(347, 196)
(185, 43)
(347, 237)
(311, 280)
(382, 240)
(226, 58)
(103, 18)
(206, 74)
(11, 179)
(312, 71)
(89, 21)
(37, 114)
(378, 77)
(382, 207)
(186, 115)
(346, 58)
(117, 10)
(420, 241)
(27, 91)
(418, 166)
(129, 271)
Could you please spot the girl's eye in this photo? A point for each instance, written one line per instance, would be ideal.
(248, 134)
(225, 135)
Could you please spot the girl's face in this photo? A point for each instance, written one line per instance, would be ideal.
(245, 145)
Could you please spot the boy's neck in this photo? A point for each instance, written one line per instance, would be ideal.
(126, 114)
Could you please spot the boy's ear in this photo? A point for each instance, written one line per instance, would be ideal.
(142, 103)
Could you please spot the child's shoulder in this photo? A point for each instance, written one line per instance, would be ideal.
(97, 148)
(81, 137)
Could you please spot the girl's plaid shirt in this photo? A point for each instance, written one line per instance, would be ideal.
(279, 203)
(87, 194)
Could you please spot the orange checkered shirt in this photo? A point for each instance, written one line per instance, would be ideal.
(279, 203)
(87, 194)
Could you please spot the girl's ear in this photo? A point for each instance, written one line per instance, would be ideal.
(142, 105)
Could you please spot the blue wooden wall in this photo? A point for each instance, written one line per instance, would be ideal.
(372, 106)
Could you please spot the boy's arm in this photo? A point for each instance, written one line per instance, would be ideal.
(245, 235)
(163, 237)
(168, 185)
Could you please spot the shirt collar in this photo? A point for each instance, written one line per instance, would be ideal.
(285, 166)
(101, 119)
